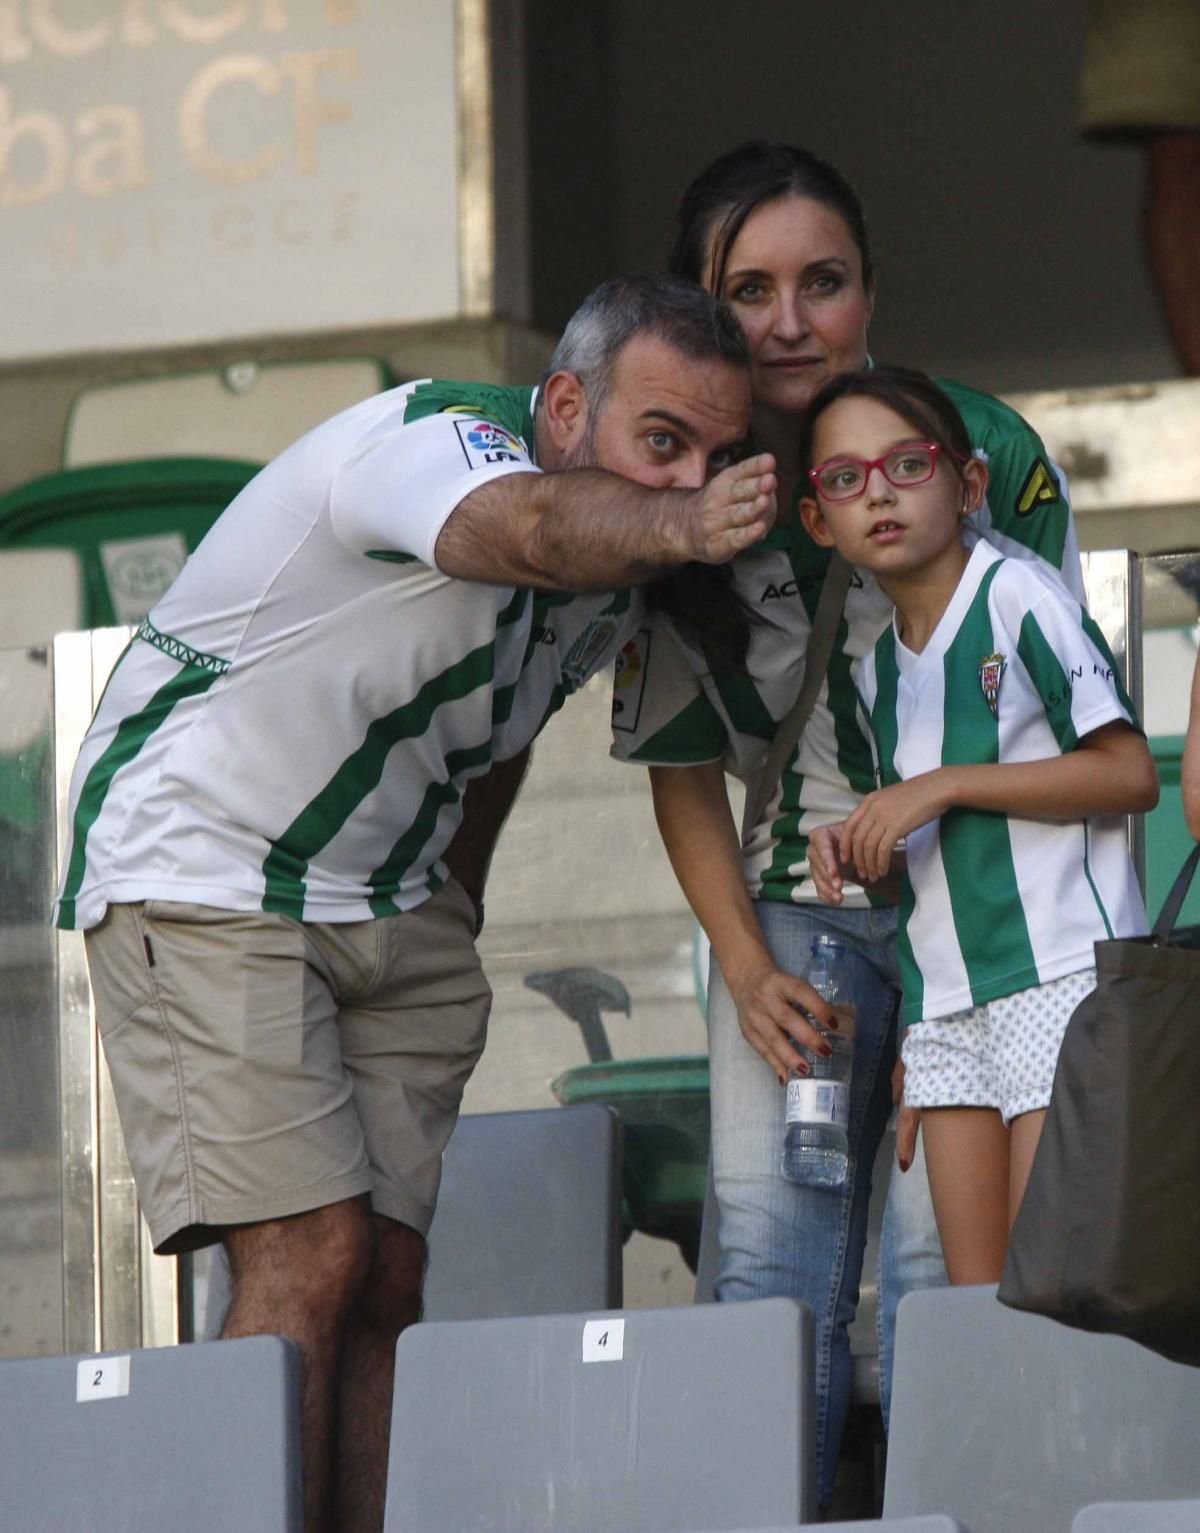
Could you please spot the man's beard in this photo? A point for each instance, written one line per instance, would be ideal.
(584, 453)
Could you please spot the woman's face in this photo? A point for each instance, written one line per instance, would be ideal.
(794, 279)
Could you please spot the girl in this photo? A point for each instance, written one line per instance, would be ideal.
(1008, 754)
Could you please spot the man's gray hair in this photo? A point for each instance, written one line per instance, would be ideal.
(668, 308)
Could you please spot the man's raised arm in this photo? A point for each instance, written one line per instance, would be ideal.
(588, 530)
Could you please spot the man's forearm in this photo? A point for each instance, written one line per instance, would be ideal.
(580, 530)
(588, 530)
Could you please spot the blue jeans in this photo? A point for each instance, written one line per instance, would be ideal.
(803, 1242)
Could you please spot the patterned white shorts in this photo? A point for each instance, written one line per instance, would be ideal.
(1001, 1054)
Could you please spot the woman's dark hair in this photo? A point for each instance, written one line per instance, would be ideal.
(721, 198)
(913, 395)
(701, 599)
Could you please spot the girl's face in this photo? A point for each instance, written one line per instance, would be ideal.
(891, 530)
(794, 279)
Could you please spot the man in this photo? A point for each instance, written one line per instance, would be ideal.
(284, 968)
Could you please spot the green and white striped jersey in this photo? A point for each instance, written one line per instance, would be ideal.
(671, 709)
(1015, 671)
(292, 727)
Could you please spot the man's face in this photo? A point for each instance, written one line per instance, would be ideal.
(668, 421)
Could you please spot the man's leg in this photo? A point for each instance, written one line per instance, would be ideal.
(299, 1277)
(389, 1300)
(410, 1036)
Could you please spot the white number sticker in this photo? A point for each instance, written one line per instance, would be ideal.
(102, 1378)
(603, 1341)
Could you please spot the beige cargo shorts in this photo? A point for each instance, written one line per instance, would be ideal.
(264, 1066)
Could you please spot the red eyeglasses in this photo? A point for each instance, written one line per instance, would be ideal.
(904, 467)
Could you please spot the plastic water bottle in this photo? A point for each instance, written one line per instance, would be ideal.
(816, 1149)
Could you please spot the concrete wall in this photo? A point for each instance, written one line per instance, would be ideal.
(1007, 248)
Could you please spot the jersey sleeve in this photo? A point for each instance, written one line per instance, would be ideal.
(1072, 669)
(1027, 513)
(661, 714)
(391, 500)
(1028, 509)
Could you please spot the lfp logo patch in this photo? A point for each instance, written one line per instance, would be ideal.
(486, 443)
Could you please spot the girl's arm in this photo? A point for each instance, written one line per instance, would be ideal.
(1189, 776)
(697, 828)
(1111, 771)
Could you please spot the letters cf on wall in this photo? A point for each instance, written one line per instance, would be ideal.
(183, 170)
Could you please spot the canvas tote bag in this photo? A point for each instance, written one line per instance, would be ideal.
(1108, 1236)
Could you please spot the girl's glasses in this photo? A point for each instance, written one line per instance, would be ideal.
(903, 467)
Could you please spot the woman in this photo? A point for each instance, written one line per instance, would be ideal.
(780, 235)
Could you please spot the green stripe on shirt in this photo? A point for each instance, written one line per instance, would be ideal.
(976, 850)
(286, 865)
(1052, 682)
(389, 875)
(131, 735)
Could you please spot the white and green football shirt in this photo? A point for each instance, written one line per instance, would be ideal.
(293, 725)
(1016, 671)
(671, 709)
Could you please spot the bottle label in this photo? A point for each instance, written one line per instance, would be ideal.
(810, 1101)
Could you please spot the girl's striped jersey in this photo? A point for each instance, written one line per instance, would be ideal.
(1016, 671)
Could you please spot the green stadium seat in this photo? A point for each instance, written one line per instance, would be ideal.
(131, 524)
(246, 410)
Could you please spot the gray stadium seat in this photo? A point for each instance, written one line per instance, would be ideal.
(647, 1421)
(529, 1216)
(201, 1436)
(528, 1219)
(1139, 1517)
(1014, 1423)
(933, 1524)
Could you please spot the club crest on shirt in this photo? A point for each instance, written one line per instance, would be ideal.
(588, 650)
(991, 669)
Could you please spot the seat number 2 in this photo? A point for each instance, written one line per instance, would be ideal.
(101, 1378)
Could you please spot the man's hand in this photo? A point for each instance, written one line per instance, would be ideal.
(868, 837)
(731, 512)
(771, 1008)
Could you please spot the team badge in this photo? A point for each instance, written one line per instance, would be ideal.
(1039, 489)
(991, 669)
(589, 650)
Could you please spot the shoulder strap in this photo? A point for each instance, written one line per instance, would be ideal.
(1174, 901)
(816, 663)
